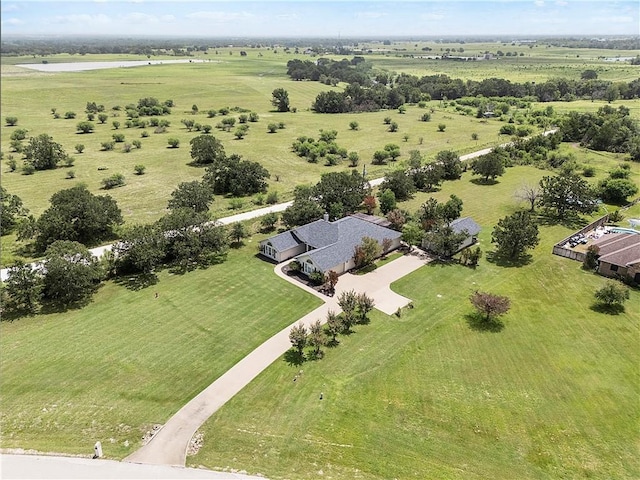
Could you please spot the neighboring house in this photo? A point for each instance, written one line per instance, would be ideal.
(323, 245)
(619, 255)
(459, 225)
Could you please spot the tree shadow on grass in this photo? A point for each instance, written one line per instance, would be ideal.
(480, 323)
(616, 309)
(484, 181)
(137, 282)
(293, 357)
(521, 261)
(570, 220)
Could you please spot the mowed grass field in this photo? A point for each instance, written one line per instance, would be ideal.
(554, 394)
(129, 360)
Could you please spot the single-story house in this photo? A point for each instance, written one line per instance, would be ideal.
(619, 255)
(323, 245)
(459, 225)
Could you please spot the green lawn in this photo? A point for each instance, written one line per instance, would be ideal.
(554, 394)
(129, 359)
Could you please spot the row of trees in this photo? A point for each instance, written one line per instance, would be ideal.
(355, 309)
(368, 90)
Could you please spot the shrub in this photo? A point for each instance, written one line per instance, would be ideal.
(425, 117)
(272, 198)
(173, 142)
(224, 111)
(11, 121)
(393, 127)
(85, 127)
(116, 124)
(211, 113)
(19, 134)
(137, 144)
(236, 204)
(508, 129)
(387, 120)
(206, 128)
(588, 171)
(272, 127)
(253, 117)
(139, 169)
(28, 169)
(144, 134)
(441, 127)
(70, 174)
(79, 148)
(160, 130)
(354, 159)
(353, 125)
(243, 118)
(118, 137)
(126, 148)
(106, 146)
(115, 180)
(69, 161)
(12, 163)
(70, 115)
(281, 125)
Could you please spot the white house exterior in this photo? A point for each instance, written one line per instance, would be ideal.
(324, 246)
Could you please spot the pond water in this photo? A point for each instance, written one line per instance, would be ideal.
(84, 66)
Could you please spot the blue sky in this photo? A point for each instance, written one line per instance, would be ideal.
(307, 18)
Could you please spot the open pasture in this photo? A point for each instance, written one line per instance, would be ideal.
(132, 358)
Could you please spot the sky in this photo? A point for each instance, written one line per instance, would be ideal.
(327, 19)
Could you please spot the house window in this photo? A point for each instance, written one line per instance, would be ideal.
(308, 267)
(269, 251)
(614, 268)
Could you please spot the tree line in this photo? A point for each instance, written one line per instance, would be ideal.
(371, 90)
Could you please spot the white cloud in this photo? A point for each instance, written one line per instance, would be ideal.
(370, 15)
(288, 16)
(562, 3)
(81, 19)
(539, 3)
(220, 16)
(137, 17)
(616, 19)
(9, 8)
(12, 22)
(430, 17)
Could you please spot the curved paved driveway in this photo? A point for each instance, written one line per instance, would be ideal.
(169, 445)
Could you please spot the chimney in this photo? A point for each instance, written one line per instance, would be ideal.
(325, 217)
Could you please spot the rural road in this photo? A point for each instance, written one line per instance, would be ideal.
(240, 217)
(169, 445)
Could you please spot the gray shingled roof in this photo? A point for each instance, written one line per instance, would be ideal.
(349, 232)
(461, 224)
(283, 241)
(317, 234)
(626, 255)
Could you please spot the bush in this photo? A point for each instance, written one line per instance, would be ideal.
(139, 169)
(19, 134)
(69, 161)
(253, 117)
(116, 124)
(173, 142)
(126, 148)
(508, 129)
(137, 144)
(588, 171)
(115, 180)
(441, 127)
(85, 127)
(272, 198)
(12, 163)
(28, 169)
(272, 127)
(387, 120)
(79, 148)
(236, 204)
(11, 121)
(144, 134)
(211, 113)
(70, 174)
(70, 115)
(393, 127)
(353, 125)
(281, 125)
(106, 146)
(206, 128)
(118, 137)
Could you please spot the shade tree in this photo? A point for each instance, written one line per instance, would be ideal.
(514, 234)
(195, 195)
(42, 153)
(489, 305)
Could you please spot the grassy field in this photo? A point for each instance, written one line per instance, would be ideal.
(129, 360)
(430, 395)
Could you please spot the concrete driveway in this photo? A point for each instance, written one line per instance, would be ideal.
(169, 445)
